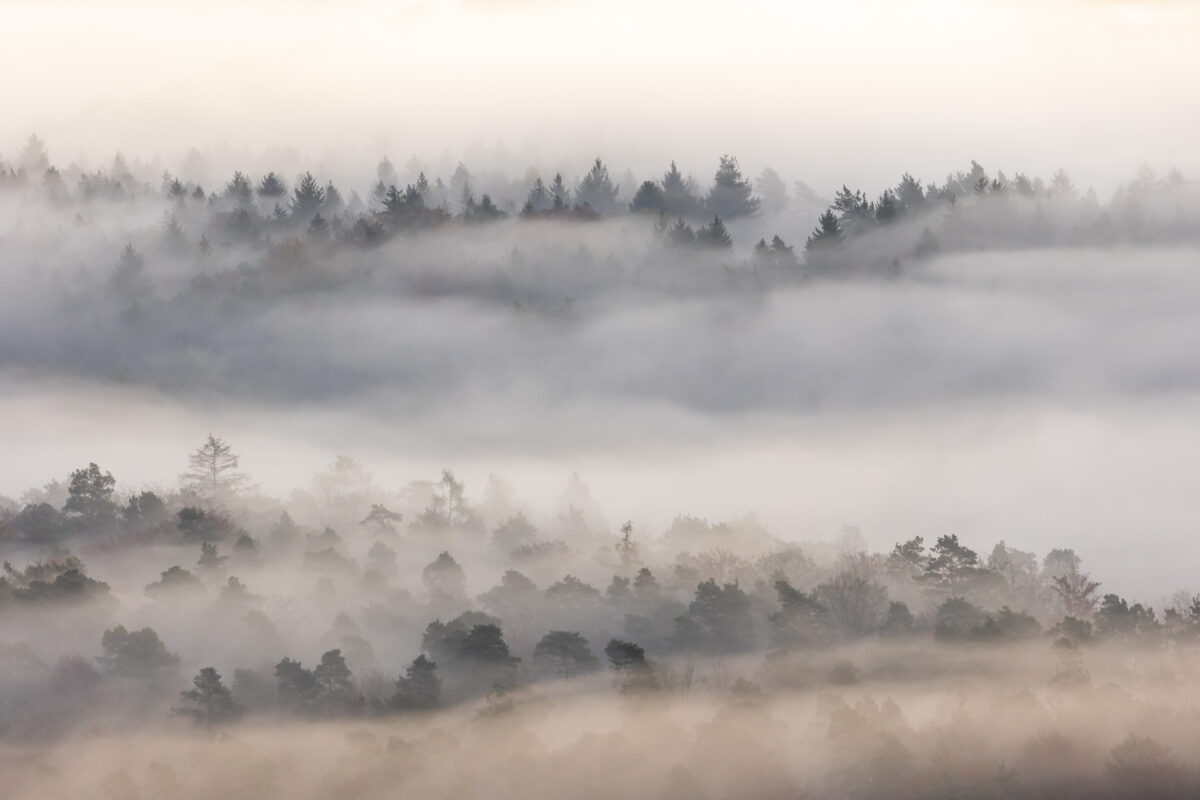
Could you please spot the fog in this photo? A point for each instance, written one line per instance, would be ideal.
(536, 398)
(923, 84)
(1032, 393)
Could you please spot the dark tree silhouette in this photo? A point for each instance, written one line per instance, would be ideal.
(175, 582)
(714, 235)
(420, 688)
(679, 194)
(307, 198)
(136, 654)
(295, 685)
(210, 703)
(718, 620)
(596, 190)
(801, 620)
(731, 195)
(565, 652)
(239, 190)
(332, 676)
(538, 200)
(272, 186)
(826, 238)
(89, 498)
(649, 199)
(624, 655)
(951, 564)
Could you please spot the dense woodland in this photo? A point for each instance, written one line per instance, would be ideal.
(350, 602)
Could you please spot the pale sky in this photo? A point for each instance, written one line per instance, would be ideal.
(828, 92)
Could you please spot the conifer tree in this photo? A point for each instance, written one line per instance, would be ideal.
(307, 198)
(649, 198)
(731, 195)
(210, 703)
(597, 190)
(213, 471)
(679, 196)
(272, 186)
(826, 237)
(714, 235)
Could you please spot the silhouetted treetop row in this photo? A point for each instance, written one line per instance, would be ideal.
(972, 209)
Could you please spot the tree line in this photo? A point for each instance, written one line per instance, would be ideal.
(701, 591)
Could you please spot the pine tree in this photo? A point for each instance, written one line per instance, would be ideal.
(777, 253)
(89, 497)
(333, 200)
(887, 208)
(272, 186)
(559, 193)
(679, 196)
(332, 676)
(211, 703)
(212, 472)
(135, 654)
(826, 237)
(565, 652)
(239, 190)
(172, 187)
(420, 688)
(482, 212)
(296, 686)
(909, 193)
(855, 213)
(731, 195)
(444, 579)
(649, 198)
(597, 191)
(307, 198)
(538, 199)
(714, 235)
(680, 234)
(627, 548)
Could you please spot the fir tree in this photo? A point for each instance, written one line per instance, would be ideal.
(307, 198)
(714, 235)
(597, 191)
(731, 195)
(649, 198)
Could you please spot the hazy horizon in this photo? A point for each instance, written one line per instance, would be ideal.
(825, 93)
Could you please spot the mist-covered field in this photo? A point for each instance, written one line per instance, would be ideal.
(559, 399)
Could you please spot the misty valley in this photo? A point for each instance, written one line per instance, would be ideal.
(954, 418)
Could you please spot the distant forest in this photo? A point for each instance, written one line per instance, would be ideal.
(270, 232)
